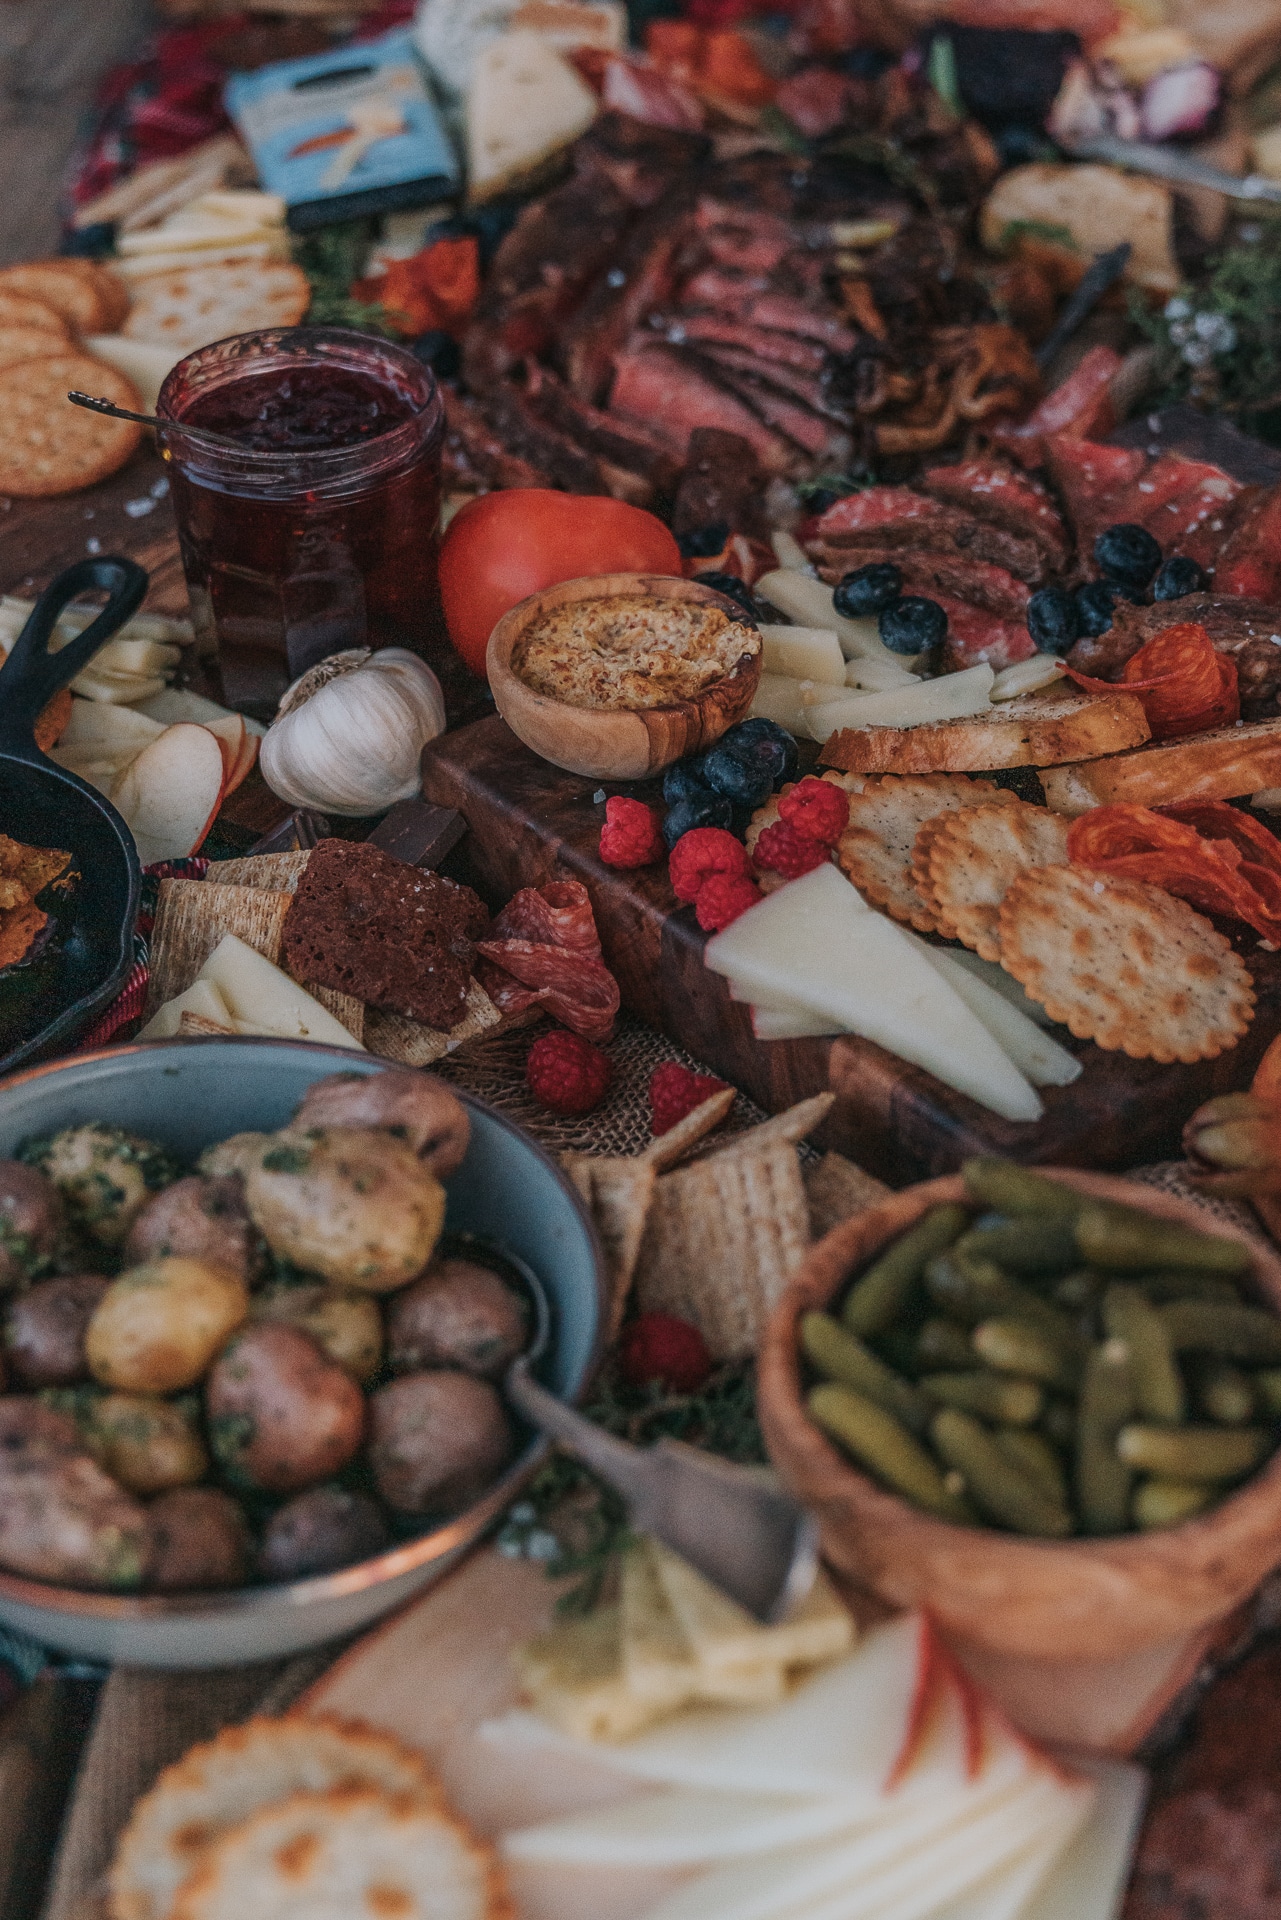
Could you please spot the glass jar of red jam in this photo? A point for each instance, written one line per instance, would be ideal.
(318, 528)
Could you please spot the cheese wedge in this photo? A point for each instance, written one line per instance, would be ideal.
(658, 1662)
(817, 944)
(1001, 982)
(524, 104)
(792, 1023)
(262, 999)
(202, 998)
(574, 1674)
(723, 1635)
(778, 698)
(1041, 1059)
(953, 696)
(808, 600)
(806, 653)
(1027, 676)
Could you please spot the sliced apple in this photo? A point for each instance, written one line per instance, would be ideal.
(99, 765)
(95, 724)
(171, 793)
(229, 731)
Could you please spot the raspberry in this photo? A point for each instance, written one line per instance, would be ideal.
(632, 835)
(675, 1091)
(701, 852)
(663, 1348)
(722, 897)
(781, 849)
(817, 808)
(566, 1074)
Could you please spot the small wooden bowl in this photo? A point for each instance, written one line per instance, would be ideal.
(1083, 1599)
(615, 743)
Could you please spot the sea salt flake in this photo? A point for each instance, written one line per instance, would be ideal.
(137, 508)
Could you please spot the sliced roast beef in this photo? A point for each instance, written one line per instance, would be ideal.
(555, 250)
(821, 438)
(994, 491)
(621, 449)
(566, 464)
(473, 458)
(722, 483)
(639, 161)
(723, 290)
(895, 517)
(637, 280)
(1233, 624)
(766, 343)
(1189, 506)
(956, 575)
(777, 310)
(1079, 407)
(808, 388)
(1251, 558)
(658, 387)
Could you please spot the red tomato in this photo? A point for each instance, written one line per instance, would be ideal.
(503, 547)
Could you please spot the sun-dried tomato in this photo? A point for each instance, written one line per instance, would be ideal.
(1185, 685)
(1205, 867)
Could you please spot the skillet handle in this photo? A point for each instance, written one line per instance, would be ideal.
(32, 675)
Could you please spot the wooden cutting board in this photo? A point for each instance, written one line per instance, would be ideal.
(531, 823)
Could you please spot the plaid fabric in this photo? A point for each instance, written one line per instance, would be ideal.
(130, 1001)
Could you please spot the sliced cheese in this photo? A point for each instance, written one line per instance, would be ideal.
(723, 1635)
(778, 698)
(190, 233)
(267, 1000)
(115, 688)
(952, 696)
(153, 657)
(789, 553)
(201, 997)
(809, 600)
(806, 653)
(1027, 676)
(1001, 982)
(792, 1023)
(817, 944)
(658, 1662)
(525, 103)
(139, 361)
(1038, 1057)
(242, 203)
(877, 675)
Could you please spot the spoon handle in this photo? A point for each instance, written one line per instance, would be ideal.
(625, 1467)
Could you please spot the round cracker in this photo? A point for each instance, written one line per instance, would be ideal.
(193, 306)
(30, 343)
(973, 856)
(346, 1853)
(1124, 964)
(63, 285)
(20, 310)
(49, 446)
(226, 1780)
(875, 851)
(113, 298)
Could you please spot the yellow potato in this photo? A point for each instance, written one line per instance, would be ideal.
(356, 1206)
(106, 1177)
(346, 1326)
(148, 1445)
(160, 1325)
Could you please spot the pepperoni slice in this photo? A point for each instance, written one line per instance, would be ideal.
(1186, 686)
(1202, 860)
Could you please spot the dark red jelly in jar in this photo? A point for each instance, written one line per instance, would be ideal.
(317, 528)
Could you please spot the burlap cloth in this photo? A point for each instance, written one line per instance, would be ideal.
(145, 1720)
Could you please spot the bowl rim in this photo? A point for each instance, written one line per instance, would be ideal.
(404, 1558)
(508, 629)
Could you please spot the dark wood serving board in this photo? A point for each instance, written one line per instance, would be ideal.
(530, 823)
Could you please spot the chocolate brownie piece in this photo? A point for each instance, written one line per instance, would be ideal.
(387, 933)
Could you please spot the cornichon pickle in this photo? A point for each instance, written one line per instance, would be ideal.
(1123, 1240)
(1231, 1332)
(1016, 1402)
(941, 1347)
(1007, 1188)
(1193, 1453)
(1016, 1346)
(1163, 1503)
(1158, 1384)
(1030, 1244)
(879, 1442)
(876, 1298)
(1106, 1403)
(971, 1290)
(1000, 1490)
(1033, 1455)
(1163, 1287)
(1078, 1289)
(1225, 1394)
(1267, 1390)
(1058, 1422)
(842, 1357)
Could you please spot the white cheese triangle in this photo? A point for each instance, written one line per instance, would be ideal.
(262, 999)
(1034, 1052)
(525, 102)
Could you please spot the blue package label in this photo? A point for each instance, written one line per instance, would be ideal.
(358, 120)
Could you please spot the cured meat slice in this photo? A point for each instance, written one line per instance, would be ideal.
(1233, 624)
(993, 490)
(1187, 505)
(722, 482)
(635, 282)
(976, 582)
(896, 517)
(656, 387)
(1251, 559)
(544, 951)
(764, 343)
(976, 637)
(1079, 408)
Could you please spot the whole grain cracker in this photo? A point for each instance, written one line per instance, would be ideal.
(672, 1146)
(875, 851)
(618, 1190)
(19, 343)
(275, 872)
(192, 917)
(974, 856)
(837, 1188)
(723, 1239)
(51, 447)
(223, 1781)
(1124, 964)
(393, 1036)
(346, 1852)
(789, 1127)
(767, 815)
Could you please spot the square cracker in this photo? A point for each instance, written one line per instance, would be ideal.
(274, 872)
(724, 1237)
(875, 851)
(393, 1036)
(618, 1191)
(972, 858)
(837, 1188)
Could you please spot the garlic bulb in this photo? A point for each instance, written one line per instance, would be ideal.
(348, 735)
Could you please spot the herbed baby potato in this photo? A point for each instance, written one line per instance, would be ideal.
(105, 1176)
(199, 1541)
(197, 1219)
(158, 1326)
(355, 1206)
(281, 1416)
(148, 1445)
(44, 1333)
(411, 1105)
(31, 1222)
(62, 1518)
(346, 1326)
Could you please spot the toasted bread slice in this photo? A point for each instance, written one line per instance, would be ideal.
(1035, 730)
(1209, 766)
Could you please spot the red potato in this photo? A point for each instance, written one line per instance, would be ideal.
(197, 1219)
(281, 1416)
(44, 1334)
(415, 1106)
(437, 1441)
(458, 1314)
(61, 1517)
(199, 1541)
(320, 1531)
(31, 1221)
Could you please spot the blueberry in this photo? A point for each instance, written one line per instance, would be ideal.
(772, 743)
(1127, 554)
(1179, 576)
(1094, 604)
(684, 781)
(733, 588)
(738, 771)
(699, 542)
(867, 590)
(912, 624)
(1052, 620)
(712, 810)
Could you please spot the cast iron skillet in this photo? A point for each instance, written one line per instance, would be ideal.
(47, 1002)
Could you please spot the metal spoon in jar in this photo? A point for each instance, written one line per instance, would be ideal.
(78, 399)
(736, 1525)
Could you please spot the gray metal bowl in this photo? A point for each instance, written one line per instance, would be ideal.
(188, 1094)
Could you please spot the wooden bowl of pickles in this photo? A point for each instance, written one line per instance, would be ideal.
(1046, 1406)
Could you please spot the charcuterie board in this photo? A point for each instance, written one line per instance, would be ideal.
(529, 822)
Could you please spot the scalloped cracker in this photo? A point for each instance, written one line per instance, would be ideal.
(972, 858)
(875, 851)
(1124, 964)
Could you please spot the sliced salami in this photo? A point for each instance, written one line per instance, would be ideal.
(544, 951)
